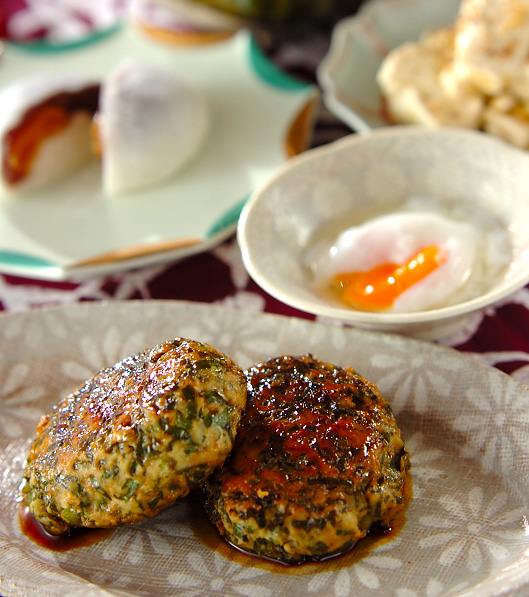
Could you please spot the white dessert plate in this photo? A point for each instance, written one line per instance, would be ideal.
(466, 428)
(347, 74)
(259, 117)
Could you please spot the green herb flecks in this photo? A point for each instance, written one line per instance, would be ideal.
(110, 473)
(318, 548)
(213, 396)
(153, 503)
(70, 516)
(96, 485)
(210, 363)
(130, 486)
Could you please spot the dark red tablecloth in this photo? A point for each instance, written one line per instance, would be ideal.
(499, 336)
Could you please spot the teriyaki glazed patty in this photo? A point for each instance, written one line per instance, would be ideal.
(318, 461)
(135, 437)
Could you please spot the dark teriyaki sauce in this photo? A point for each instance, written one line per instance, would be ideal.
(209, 536)
(73, 540)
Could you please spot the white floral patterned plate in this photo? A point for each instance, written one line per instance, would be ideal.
(466, 425)
(347, 74)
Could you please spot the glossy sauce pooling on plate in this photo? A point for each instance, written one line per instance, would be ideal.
(73, 540)
(318, 461)
(134, 438)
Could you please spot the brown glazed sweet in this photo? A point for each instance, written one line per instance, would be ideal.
(22, 142)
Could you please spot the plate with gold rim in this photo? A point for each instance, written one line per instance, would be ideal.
(259, 116)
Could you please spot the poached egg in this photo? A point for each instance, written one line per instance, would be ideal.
(401, 262)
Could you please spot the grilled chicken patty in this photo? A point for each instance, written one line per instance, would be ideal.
(135, 437)
(318, 460)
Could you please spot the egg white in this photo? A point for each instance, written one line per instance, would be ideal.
(395, 238)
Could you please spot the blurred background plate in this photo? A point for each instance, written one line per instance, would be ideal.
(276, 11)
(347, 74)
(259, 118)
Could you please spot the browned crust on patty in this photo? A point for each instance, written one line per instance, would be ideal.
(318, 461)
(135, 437)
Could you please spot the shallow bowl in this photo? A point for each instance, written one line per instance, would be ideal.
(359, 44)
(321, 192)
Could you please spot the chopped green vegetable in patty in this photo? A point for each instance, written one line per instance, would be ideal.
(135, 437)
(318, 461)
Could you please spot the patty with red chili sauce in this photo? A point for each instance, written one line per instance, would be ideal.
(318, 461)
(135, 437)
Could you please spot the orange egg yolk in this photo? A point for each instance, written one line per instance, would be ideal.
(378, 288)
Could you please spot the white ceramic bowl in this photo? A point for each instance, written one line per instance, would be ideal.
(323, 190)
(347, 74)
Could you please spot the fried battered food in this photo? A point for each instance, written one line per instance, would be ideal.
(472, 74)
(416, 83)
(491, 46)
(135, 437)
(317, 462)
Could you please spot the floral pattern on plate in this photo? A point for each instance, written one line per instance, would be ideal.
(465, 425)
